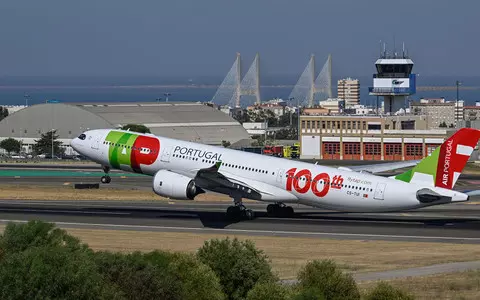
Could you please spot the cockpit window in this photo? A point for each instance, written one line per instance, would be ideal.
(82, 136)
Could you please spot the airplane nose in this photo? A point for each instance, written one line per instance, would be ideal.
(75, 144)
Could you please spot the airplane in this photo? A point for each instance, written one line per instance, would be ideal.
(182, 170)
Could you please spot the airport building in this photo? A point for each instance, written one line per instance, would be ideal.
(392, 138)
(188, 121)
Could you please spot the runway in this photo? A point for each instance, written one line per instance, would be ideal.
(458, 223)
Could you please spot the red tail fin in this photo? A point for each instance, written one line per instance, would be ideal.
(453, 156)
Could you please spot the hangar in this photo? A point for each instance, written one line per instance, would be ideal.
(190, 121)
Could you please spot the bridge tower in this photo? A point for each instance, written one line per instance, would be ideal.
(233, 87)
(394, 80)
(309, 89)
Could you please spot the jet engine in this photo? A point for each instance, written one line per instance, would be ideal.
(172, 185)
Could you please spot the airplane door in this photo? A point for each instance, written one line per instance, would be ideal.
(166, 154)
(280, 175)
(379, 191)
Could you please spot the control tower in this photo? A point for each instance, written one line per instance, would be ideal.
(393, 81)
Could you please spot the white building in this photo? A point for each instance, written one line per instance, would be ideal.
(255, 128)
(334, 105)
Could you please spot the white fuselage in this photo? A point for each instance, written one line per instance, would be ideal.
(280, 180)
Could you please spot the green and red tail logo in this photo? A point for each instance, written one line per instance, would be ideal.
(132, 150)
(443, 167)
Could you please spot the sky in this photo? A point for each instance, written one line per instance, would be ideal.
(201, 37)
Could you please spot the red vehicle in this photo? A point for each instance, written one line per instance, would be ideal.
(273, 151)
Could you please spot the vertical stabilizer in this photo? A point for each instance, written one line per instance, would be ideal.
(443, 167)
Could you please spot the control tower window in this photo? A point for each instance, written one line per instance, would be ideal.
(82, 136)
(393, 70)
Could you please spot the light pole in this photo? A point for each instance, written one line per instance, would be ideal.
(457, 83)
(26, 96)
(52, 142)
(166, 96)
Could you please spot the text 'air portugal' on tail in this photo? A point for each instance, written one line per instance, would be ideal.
(443, 167)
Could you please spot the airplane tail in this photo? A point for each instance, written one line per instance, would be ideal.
(443, 167)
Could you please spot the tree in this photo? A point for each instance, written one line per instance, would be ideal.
(327, 276)
(270, 290)
(226, 144)
(384, 291)
(20, 237)
(309, 293)
(53, 273)
(140, 276)
(198, 281)
(443, 125)
(3, 112)
(44, 144)
(11, 145)
(136, 128)
(238, 264)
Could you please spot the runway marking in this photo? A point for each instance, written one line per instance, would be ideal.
(271, 232)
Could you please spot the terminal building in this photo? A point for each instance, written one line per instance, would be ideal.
(391, 138)
(188, 121)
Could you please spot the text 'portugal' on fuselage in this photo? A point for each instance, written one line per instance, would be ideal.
(182, 170)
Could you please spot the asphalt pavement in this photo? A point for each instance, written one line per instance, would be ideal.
(453, 224)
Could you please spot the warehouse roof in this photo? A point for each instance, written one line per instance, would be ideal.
(188, 121)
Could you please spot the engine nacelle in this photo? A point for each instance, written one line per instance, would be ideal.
(172, 185)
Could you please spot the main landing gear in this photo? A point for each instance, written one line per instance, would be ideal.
(106, 179)
(239, 211)
(279, 210)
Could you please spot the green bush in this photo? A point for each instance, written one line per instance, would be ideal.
(309, 293)
(53, 273)
(270, 290)
(327, 277)
(20, 237)
(238, 265)
(198, 281)
(139, 276)
(384, 291)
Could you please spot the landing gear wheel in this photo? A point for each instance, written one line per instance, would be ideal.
(279, 210)
(106, 179)
(239, 212)
(271, 209)
(248, 214)
(289, 211)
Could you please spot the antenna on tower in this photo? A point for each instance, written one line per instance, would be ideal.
(394, 48)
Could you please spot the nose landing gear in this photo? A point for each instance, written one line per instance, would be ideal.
(106, 179)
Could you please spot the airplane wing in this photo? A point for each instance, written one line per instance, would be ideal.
(214, 180)
(382, 167)
(211, 179)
